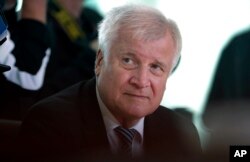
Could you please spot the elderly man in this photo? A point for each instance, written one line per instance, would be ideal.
(117, 115)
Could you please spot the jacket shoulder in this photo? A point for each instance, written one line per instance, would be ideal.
(171, 135)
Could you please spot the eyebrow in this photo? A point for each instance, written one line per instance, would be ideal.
(163, 65)
(129, 54)
(155, 61)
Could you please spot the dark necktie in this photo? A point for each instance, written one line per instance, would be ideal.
(126, 137)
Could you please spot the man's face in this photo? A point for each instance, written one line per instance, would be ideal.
(132, 79)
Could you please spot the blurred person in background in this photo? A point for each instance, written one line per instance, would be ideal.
(26, 51)
(73, 31)
(232, 75)
(226, 113)
(72, 34)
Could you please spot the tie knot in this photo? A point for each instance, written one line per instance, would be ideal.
(126, 134)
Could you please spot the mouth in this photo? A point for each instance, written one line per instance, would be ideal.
(137, 96)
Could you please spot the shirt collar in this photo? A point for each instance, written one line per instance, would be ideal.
(111, 122)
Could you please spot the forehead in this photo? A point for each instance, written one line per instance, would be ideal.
(161, 48)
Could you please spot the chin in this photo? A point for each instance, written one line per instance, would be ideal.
(139, 113)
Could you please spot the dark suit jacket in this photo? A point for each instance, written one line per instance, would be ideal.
(70, 125)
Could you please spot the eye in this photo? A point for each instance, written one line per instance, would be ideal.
(156, 69)
(128, 63)
(127, 60)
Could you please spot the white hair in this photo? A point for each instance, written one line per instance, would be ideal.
(139, 21)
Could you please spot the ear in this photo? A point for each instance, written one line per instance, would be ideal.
(98, 62)
(176, 65)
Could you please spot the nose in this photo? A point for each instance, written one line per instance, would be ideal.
(140, 78)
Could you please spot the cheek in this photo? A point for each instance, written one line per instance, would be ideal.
(118, 81)
(158, 89)
(159, 86)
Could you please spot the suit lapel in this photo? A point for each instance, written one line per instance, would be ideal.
(97, 144)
